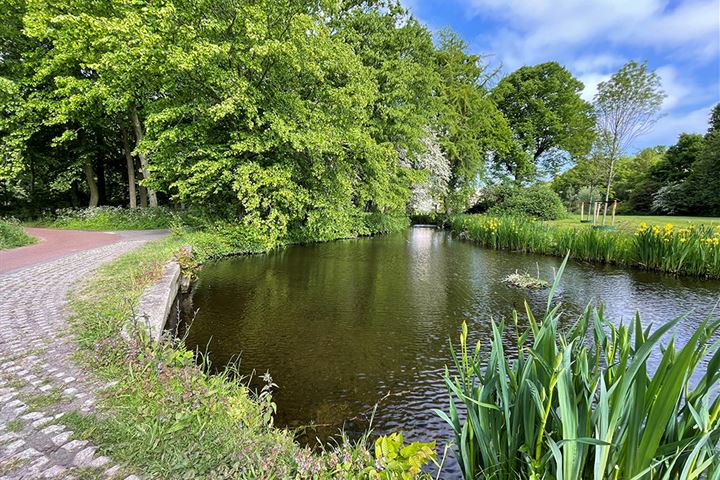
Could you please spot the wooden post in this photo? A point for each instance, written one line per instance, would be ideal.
(595, 210)
(605, 212)
(613, 212)
(582, 211)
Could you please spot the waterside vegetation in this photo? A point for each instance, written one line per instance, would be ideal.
(691, 250)
(569, 409)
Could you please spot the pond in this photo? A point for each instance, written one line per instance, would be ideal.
(346, 325)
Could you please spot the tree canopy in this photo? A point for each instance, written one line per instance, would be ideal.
(277, 115)
(548, 118)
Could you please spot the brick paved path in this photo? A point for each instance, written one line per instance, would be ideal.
(39, 381)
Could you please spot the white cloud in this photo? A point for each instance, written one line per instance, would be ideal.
(538, 30)
(591, 81)
(669, 127)
(593, 38)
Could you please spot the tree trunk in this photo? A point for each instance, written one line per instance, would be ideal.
(74, 196)
(130, 166)
(144, 164)
(102, 187)
(92, 184)
(613, 154)
(141, 189)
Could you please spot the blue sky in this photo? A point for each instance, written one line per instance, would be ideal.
(593, 38)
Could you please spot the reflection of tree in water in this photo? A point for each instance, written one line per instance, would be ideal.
(341, 325)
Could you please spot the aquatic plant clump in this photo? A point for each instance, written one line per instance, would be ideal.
(525, 281)
(692, 249)
(567, 408)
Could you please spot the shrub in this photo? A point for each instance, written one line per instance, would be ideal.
(573, 409)
(12, 234)
(538, 201)
(115, 218)
(492, 196)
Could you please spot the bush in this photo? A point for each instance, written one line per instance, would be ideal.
(492, 196)
(538, 201)
(12, 234)
(115, 218)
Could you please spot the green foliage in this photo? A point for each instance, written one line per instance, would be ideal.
(703, 184)
(548, 118)
(568, 409)
(399, 461)
(471, 126)
(115, 218)
(692, 250)
(12, 235)
(538, 201)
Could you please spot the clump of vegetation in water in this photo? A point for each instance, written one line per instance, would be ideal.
(525, 281)
(568, 409)
(12, 234)
(693, 250)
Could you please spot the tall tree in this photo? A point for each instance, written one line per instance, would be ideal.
(549, 120)
(627, 106)
(470, 127)
(703, 184)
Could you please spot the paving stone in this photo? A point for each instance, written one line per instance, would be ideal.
(36, 357)
(84, 457)
(112, 471)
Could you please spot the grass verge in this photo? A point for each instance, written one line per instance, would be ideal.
(12, 235)
(630, 223)
(166, 417)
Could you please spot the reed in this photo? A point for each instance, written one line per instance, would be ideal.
(569, 408)
(693, 250)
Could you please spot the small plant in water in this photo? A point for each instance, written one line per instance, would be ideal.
(567, 408)
(525, 280)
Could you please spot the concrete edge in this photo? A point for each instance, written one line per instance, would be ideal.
(156, 301)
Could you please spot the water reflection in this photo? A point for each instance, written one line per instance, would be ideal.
(346, 324)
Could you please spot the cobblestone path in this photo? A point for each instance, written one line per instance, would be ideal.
(39, 381)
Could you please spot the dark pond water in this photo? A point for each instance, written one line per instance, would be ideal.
(342, 326)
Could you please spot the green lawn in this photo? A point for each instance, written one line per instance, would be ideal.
(631, 222)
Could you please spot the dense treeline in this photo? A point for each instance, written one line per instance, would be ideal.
(683, 179)
(306, 114)
(277, 112)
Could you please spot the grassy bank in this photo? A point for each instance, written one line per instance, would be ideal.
(168, 418)
(12, 235)
(692, 250)
(632, 222)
